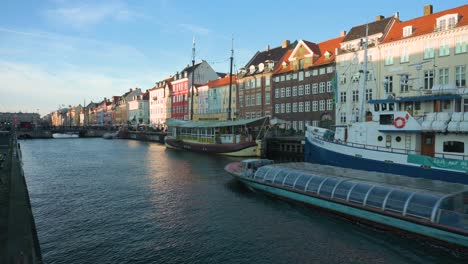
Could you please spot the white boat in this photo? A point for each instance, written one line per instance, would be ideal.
(65, 135)
(110, 135)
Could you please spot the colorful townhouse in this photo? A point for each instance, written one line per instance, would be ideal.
(138, 109)
(181, 83)
(254, 82)
(424, 62)
(121, 108)
(159, 97)
(304, 84)
(349, 68)
(213, 100)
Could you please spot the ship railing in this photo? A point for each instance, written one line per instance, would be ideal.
(394, 150)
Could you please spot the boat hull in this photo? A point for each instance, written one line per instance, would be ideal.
(442, 236)
(246, 149)
(61, 135)
(317, 154)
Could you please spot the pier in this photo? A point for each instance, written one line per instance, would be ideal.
(18, 236)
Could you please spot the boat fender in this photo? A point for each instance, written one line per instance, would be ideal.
(399, 122)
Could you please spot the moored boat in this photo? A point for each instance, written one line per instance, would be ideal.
(433, 209)
(231, 138)
(65, 135)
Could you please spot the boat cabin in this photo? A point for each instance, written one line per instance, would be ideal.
(250, 166)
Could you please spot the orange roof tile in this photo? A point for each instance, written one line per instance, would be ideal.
(222, 81)
(330, 46)
(425, 24)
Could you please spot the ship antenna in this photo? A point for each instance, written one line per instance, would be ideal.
(230, 80)
(364, 69)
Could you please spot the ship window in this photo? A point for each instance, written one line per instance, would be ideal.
(314, 184)
(421, 205)
(398, 139)
(342, 190)
(379, 138)
(291, 179)
(261, 172)
(376, 107)
(454, 146)
(384, 107)
(270, 175)
(280, 177)
(396, 201)
(453, 211)
(359, 193)
(386, 119)
(328, 186)
(391, 106)
(302, 181)
(377, 196)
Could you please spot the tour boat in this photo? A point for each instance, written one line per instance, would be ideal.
(435, 210)
(65, 135)
(231, 138)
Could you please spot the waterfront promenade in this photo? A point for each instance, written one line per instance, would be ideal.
(18, 237)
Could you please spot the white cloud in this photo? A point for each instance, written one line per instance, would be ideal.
(195, 29)
(82, 15)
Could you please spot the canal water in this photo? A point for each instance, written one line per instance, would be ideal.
(120, 201)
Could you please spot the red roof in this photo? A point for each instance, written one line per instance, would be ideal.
(426, 24)
(319, 50)
(222, 81)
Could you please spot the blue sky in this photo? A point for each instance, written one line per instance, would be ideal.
(55, 52)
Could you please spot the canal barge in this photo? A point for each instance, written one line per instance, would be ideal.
(239, 138)
(432, 209)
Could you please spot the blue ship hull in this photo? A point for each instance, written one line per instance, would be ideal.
(316, 154)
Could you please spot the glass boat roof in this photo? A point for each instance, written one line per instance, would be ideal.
(436, 201)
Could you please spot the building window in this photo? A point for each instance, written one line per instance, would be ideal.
(267, 98)
(460, 76)
(288, 91)
(404, 54)
(301, 90)
(388, 57)
(314, 106)
(307, 74)
(314, 88)
(282, 108)
(407, 31)
(329, 87)
(307, 106)
(388, 84)
(301, 107)
(322, 105)
(294, 107)
(428, 79)
(288, 108)
(294, 91)
(247, 100)
(288, 77)
(370, 76)
(314, 72)
(301, 73)
(460, 44)
(343, 117)
(355, 96)
(267, 81)
(282, 78)
(259, 98)
(443, 76)
(277, 79)
(444, 49)
(301, 125)
(241, 100)
(277, 93)
(322, 71)
(343, 97)
(294, 76)
(322, 87)
(330, 104)
(252, 100)
(294, 123)
(307, 89)
(343, 78)
(329, 69)
(252, 83)
(429, 51)
(282, 92)
(277, 108)
(404, 83)
(315, 123)
(368, 94)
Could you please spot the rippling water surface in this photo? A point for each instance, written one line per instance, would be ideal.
(118, 201)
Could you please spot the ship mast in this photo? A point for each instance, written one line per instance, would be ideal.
(230, 82)
(365, 45)
(193, 78)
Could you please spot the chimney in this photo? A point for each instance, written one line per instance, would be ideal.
(379, 17)
(285, 44)
(397, 15)
(343, 33)
(267, 47)
(428, 10)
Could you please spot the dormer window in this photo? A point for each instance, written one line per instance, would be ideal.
(447, 22)
(407, 31)
(327, 55)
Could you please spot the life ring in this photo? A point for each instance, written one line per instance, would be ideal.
(399, 122)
